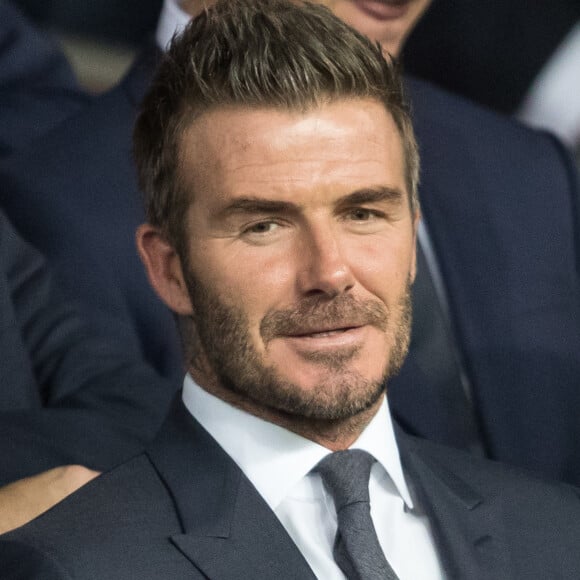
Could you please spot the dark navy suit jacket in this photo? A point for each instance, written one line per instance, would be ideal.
(183, 509)
(68, 394)
(37, 86)
(501, 205)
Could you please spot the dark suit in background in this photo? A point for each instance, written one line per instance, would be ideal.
(184, 510)
(127, 22)
(488, 50)
(73, 194)
(37, 86)
(68, 394)
(499, 201)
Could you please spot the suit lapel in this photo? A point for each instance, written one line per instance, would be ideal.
(227, 526)
(475, 261)
(465, 525)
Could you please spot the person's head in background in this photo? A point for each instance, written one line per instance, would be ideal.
(386, 21)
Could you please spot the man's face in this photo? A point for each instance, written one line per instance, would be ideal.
(194, 7)
(388, 22)
(299, 255)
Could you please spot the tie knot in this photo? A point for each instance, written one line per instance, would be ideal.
(346, 475)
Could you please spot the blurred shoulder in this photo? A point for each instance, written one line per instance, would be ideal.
(116, 518)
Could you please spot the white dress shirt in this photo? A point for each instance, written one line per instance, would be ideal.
(279, 463)
(172, 20)
(552, 101)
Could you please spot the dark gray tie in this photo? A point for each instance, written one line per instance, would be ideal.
(356, 548)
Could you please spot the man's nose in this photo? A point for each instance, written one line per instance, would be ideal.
(324, 265)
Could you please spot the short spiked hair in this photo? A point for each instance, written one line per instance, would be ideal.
(287, 54)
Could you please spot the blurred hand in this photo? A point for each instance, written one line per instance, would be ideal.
(23, 500)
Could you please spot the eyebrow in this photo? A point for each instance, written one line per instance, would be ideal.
(256, 205)
(373, 195)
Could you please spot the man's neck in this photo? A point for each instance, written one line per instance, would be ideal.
(335, 435)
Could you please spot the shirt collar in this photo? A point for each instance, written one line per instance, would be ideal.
(275, 459)
(171, 21)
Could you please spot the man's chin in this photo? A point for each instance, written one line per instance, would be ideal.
(334, 397)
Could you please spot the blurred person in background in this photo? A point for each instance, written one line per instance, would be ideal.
(493, 363)
(38, 88)
(73, 401)
(507, 56)
(70, 397)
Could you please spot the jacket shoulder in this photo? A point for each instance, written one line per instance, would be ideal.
(494, 480)
(451, 119)
(118, 522)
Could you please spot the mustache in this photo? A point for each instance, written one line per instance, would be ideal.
(318, 314)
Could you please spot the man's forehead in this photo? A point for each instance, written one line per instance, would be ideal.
(333, 150)
(344, 127)
(244, 124)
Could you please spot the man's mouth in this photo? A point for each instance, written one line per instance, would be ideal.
(383, 9)
(322, 332)
(343, 318)
(330, 339)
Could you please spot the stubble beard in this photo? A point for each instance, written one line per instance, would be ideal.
(218, 344)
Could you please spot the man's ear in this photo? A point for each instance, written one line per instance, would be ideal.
(416, 220)
(164, 268)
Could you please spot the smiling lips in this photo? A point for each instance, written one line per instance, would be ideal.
(323, 333)
(317, 321)
(383, 9)
(328, 339)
